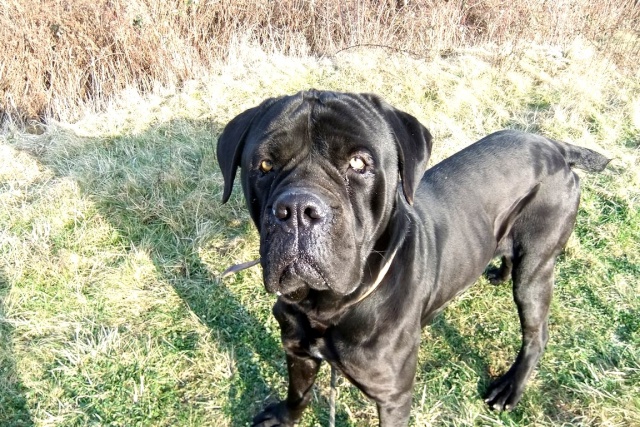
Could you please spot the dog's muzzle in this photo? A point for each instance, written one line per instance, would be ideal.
(298, 231)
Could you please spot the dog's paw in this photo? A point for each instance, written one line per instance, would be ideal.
(274, 415)
(504, 393)
(496, 276)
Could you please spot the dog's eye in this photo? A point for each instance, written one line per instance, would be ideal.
(357, 164)
(266, 166)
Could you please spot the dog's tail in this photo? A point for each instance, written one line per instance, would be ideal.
(582, 157)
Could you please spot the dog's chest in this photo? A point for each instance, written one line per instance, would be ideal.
(317, 342)
(307, 335)
(317, 348)
(314, 340)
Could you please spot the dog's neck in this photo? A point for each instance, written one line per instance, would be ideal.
(389, 243)
(383, 272)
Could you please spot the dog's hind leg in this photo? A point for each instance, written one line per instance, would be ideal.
(533, 283)
(538, 238)
(498, 275)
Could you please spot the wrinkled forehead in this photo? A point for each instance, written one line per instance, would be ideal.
(325, 123)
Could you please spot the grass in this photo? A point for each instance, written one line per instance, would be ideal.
(112, 237)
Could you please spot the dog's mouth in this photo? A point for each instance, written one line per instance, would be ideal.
(296, 295)
(295, 280)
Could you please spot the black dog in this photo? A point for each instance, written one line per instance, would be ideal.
(363, 249)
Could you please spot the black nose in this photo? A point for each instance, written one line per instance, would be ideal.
(300, 210)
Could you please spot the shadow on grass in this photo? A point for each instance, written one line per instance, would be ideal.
(161, 190)
(466, 351)
(13, 404)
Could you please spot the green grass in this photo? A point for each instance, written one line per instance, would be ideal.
(112, 237)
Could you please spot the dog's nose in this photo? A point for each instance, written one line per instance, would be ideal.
(300, 210)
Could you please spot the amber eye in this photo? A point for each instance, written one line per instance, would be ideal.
(266, 166)
(357, 164)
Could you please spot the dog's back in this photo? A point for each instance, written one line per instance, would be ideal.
(481, 193)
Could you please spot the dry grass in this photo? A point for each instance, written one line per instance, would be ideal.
(61, 57)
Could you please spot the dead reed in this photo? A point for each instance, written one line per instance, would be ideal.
(61, 55)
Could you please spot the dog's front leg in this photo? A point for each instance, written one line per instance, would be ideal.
(395, 413)
(387, 377)
(302, 375)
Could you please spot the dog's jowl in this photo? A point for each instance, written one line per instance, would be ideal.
(363, 247)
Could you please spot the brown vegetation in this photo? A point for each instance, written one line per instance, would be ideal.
(61, 54)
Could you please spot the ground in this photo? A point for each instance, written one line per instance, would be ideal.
(112, 239)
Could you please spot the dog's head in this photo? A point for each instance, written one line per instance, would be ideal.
(321, 173)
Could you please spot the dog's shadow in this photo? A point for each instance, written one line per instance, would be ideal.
(456, 360)
(14, 409)
(177, 240)
(465, 349)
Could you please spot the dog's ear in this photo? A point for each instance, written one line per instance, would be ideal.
(414, 147)
(231, 144)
